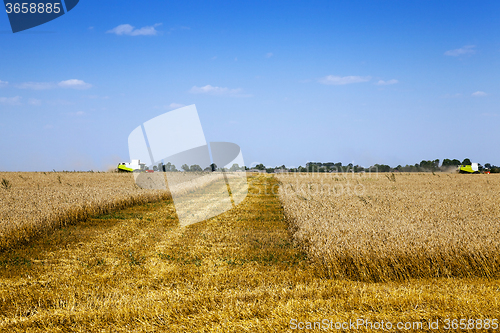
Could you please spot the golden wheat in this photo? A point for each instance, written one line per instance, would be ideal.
(35, 203)
(377, 228)
(137, 270)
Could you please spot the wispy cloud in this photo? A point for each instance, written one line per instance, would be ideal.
(74, 84)
(269, 55)
(35, 85)
(479, 94)
(75, 114)
(3, 83)
(34, 101)
(130, 30)
(211, 90)
(467, 49)
(341, 80)
(11, 100)
(386, 83)
(170, 106)
(175, 105)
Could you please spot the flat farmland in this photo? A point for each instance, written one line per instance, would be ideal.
(35, 203)
(382, 227)
(247, 270)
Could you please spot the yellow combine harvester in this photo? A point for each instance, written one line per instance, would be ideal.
(135, 165)
(473, 168)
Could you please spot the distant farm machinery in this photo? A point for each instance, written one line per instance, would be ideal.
(473, 168)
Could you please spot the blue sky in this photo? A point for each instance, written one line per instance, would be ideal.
(367, 82)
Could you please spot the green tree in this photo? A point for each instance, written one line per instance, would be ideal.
(195, 168)
(448, 162)
(380, 168)
(185, 167)
(234, 167)
(169, 167)
(466, 162)
(260, 167)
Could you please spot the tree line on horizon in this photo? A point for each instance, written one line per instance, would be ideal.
(423, 166)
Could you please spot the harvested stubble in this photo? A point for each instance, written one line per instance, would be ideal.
(37, 202)
(376, 228)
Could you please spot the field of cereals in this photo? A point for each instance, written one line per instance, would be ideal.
(35, 203)
(392, 227)
(250, 269)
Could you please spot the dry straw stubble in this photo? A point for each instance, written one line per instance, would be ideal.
(37, 202)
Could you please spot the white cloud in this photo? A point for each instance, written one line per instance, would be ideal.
(74, 84)
(35, 85)
(269, 55)
(34, 101)
(467, 49)
(3, 83)
(11, 100)
(386, 83)
(127, 29)
(341, 80)
(479, 94)
(175, 105)
(211, 90)
(77, 114)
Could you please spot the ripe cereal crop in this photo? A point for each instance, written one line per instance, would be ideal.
(393, 227)
(37, 202)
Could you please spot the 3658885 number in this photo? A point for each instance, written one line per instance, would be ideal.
(32, 8)
(469, 324)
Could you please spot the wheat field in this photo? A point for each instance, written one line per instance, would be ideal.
(390, 227)
(36, 203)
(138, 270)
